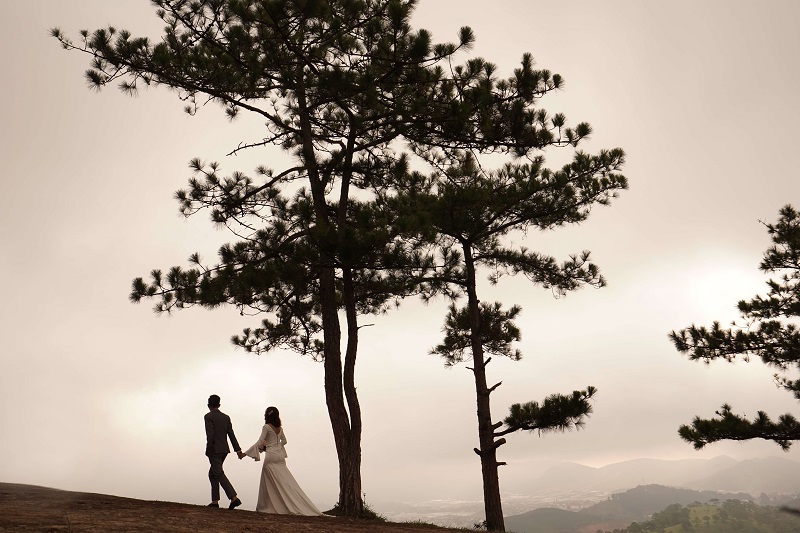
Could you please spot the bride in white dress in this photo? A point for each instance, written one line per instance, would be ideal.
(278, 491)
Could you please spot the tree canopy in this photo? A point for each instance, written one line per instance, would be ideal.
(767, 331)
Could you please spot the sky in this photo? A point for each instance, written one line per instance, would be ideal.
(102, 395)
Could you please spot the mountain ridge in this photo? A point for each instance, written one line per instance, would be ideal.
(721, 473)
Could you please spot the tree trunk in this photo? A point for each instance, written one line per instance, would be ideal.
(350, 502)
(349, 466)
(349, 456)
(350, 478)
(493, 505)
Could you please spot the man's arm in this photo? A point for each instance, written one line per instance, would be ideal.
(235, 443)
(209, 435)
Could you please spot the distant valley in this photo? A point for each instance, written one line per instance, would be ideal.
(565, 487)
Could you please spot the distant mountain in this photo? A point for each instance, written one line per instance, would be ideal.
(629, 474)
(770, 475)
(563, 477)
(618, 511)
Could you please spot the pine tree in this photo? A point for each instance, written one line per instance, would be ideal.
(767, 332)
(463, 212)
(335, 82)
(273, 272)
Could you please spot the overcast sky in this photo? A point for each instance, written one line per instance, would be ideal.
(101, 395)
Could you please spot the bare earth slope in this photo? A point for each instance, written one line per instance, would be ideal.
(29, 508)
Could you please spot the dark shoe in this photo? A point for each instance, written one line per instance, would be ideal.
(235, 503)
(212, 505)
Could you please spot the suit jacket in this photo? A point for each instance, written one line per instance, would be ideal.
(218, 430)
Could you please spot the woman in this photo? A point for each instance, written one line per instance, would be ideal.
(278, 491)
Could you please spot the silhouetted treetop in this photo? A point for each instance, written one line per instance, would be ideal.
(768, 332)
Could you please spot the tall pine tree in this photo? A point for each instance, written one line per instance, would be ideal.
(335, 82)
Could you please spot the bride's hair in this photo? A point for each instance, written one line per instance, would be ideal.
(272, 416)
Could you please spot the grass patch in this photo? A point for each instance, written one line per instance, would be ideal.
(368, 513)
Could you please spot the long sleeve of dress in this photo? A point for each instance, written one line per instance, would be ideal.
(282, 442)
(254, 451)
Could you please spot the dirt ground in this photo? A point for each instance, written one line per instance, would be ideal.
(26, 508)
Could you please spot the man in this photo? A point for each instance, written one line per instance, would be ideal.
(218, 429)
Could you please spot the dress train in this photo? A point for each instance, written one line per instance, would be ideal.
(278, 491)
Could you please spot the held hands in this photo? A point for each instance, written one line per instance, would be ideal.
(241, 454)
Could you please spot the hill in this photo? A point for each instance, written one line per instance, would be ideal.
(551, 520)
(643, 501)
(617, 512)
(730, 516)
(28, 508)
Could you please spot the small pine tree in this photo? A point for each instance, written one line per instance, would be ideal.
(464, 212)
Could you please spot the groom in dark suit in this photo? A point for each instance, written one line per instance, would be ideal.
(218, 429)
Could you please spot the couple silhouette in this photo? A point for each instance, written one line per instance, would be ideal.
(278, 491)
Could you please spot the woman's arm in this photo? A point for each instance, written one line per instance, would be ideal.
(255, 450)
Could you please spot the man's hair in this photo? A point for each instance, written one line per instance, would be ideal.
(213, 401)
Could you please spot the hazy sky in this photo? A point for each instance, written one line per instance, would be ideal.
(101, 395)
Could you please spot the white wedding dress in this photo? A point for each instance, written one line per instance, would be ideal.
(278, 491)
